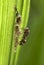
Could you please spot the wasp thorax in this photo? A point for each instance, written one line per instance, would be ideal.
(17, 28)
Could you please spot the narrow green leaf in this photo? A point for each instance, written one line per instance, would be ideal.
(6, 31)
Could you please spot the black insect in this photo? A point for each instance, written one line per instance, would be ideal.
(18, 32)
(17, 28)
(26, 33)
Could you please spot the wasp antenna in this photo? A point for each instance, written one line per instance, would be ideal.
(16, 11)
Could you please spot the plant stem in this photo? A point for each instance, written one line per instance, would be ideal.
(25, 13)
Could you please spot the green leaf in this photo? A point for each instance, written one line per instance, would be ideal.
(6, 31)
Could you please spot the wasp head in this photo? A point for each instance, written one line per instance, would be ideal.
(18, 20)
